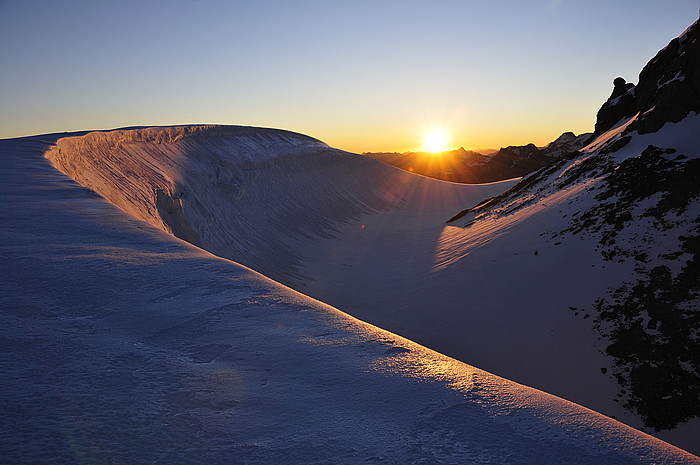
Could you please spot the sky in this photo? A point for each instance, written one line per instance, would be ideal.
(359, 75)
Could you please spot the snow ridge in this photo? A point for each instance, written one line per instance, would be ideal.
(247, 194)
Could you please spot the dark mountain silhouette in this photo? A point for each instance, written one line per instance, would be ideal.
(471, 167)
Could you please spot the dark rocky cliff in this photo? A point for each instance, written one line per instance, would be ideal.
(668, 89)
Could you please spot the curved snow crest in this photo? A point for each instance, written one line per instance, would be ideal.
(123, 344)
(235, 191)
(249, 139)
(248, 194)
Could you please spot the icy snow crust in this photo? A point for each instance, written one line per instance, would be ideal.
(122, 344)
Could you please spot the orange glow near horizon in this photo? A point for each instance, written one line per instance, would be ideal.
(436, 140)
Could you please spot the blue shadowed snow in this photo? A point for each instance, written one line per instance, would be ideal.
(121, 344)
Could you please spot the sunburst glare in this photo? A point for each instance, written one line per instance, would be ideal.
(436, 140)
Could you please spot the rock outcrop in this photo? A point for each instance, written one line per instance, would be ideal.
(566, 143)
(669, 85)
(668, 89)
(620, 105)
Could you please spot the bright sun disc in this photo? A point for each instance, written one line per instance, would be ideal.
(437, 140)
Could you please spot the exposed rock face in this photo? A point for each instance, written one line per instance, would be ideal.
(669, 85)
(567, 143)
(621, 104)
(514, 161)
(668, 89)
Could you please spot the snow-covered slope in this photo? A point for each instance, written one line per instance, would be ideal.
(625, 212)
(249, 194)
(122, 344)
(372, 240)
(555, 284)
(610, 238)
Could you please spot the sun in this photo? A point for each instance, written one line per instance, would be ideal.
(436, 140)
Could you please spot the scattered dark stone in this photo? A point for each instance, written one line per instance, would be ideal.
(459, 215)
(636, 179)
(512, 193)
(604, 370)
(593, 166)
(659, 372)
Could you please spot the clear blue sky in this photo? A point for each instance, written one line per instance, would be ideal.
(360, 75)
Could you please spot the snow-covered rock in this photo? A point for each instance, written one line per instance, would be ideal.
(567, 143)
(668, 88)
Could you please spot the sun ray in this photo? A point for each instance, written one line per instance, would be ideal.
(436, 140)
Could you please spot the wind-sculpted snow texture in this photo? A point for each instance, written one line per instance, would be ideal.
(122, 344)
(244, 193)
(233, 190)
